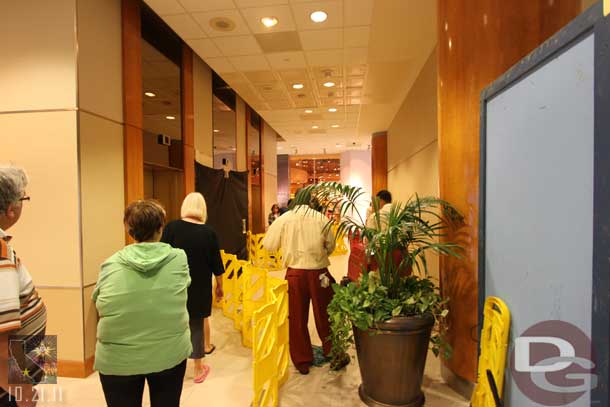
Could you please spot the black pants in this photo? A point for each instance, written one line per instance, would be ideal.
(164, 387)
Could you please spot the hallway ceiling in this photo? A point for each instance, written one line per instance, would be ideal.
(372, 50)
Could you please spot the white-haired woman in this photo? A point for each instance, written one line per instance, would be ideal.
(22, 311)
(200, 243)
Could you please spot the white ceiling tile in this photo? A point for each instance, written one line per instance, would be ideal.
(205, 20)
(358, 12)
(325, 57)
(250, 63)
(205, 48)
(321, 39)
(238, 45)
(165, 7)
(302, 11)
(355, 37)
(185, 26)
(282, 13)
(259, 3)
(356, 56)
(287, 60)
(220, 65)
(194, 6)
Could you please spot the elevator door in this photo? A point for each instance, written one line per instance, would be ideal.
(226, 196)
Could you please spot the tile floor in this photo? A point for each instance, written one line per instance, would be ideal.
(230, 380)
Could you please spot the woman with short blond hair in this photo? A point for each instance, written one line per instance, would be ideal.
(200, 243)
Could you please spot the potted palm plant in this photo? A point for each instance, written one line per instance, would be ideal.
(394, 313)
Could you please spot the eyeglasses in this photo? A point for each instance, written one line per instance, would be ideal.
(25, 198)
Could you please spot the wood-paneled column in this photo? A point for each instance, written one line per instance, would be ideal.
(379, 161)
(478, 41)
(132, 100)
(188, 120)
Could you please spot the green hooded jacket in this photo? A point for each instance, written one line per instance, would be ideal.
(141, 301)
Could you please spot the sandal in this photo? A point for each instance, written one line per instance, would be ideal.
(204, 374)
(212, 349)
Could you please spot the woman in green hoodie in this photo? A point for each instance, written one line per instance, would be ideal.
(143, 329)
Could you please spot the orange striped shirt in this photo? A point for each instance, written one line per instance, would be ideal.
(22, 311)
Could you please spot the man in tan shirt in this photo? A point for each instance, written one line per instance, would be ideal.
(306, 245)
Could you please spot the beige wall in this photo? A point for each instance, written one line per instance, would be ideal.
(38, 72)
(74, 159)
(270, 167)
(202, 100)
(38, 49)
(412, 144)
(240, 116)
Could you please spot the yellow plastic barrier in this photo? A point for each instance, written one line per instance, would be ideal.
(494, 344)
(340, 245)
(279, 293)
(254, 282)
(270, 345)
(258, 306)
(261, 257)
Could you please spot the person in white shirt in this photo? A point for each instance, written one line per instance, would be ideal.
(306, 245)
(385, 204)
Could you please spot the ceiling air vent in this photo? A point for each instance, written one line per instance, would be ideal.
(222, 24)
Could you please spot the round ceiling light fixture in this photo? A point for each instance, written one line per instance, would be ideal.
(334, 126)
(297, 86)
(318, 16)
(150, 94)
(222, 24)
(308, 111)
(314, 127)
(332, 109)
(329, 84)
(216, 131)
(170, 117)
(269, 21)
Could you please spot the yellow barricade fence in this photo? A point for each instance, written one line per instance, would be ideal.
(494, 344)
(254, 283)
(258, 306)
(270, 351)
(261, 257)
(340, 245)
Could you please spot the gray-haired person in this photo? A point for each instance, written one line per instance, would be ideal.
(22, 312)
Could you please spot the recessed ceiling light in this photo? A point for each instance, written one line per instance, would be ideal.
(297, 86)
(308, 111)
(329, 84)
(318, 16)
(314, 127)
(216, 131)
(170, 117)
(150, 94)
(334, 126)
(332, 109)
(269, 21)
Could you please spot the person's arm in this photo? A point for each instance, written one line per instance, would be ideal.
(273, 237)
(215, 263)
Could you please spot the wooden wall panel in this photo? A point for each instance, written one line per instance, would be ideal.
(132, 100)
(188, 120)
(379, 161)
(478, 41)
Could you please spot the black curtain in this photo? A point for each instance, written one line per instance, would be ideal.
(227, 202)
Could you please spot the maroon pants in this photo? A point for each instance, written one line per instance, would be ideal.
(302, 286)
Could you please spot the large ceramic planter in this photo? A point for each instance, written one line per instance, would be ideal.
(392, 359)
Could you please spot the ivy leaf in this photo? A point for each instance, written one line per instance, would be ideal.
(396, 311)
